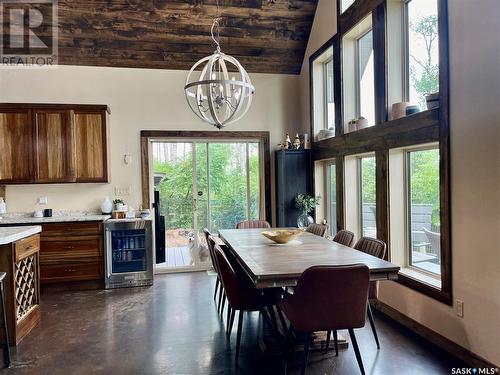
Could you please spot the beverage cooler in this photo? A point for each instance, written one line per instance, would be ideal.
(128, 253)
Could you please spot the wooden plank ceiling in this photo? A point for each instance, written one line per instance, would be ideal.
(266, 36)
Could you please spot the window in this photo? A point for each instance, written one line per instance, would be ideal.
(358, 83)
(421, 49)
(321, 73)
(423, 210)
(329, 99)
(367, 208)
(332, 197)
(365, 80)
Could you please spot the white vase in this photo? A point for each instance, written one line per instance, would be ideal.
(106, 206)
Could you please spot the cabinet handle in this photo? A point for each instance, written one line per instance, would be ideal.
(70, 270)
(69, 247)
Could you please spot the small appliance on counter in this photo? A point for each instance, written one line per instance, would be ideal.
(128, 253)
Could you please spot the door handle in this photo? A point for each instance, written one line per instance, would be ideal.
(109, 249)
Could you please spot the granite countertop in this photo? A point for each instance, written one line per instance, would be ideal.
(12, 234)
(57, 217)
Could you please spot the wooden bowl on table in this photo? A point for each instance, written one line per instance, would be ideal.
(282, 235)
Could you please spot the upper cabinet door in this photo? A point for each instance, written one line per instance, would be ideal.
(90, 146)
(53, 142)
(16, 146)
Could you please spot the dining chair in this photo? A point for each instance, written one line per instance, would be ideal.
(218, 284)
(378, 249)
(328, 298)
(241, 294)
(253, 224)
(344, 237)
(318, 229)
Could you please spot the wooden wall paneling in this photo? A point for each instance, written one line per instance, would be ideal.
(380, 62)
(16, 145)
(53, 146)
(340, 178)
(382, 197)
(90, 146)
(444, 150)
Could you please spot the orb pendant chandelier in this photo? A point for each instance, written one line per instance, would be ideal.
(218, 89)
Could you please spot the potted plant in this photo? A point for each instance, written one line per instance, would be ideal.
(305, 203)
(119, 204)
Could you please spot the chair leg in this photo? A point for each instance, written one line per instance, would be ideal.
(356, 351)
(228, 315)
(6, 352)
(238, 336)
(223, 304)
(336, 342)
(217, 282)
(286, 343)
(282, 318)
(372, 324)
(270, 309)
(219, 303)
(230, 324)
(328, 334)
(306, 352)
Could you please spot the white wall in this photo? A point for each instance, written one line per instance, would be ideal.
(139, 99)
(475, 177)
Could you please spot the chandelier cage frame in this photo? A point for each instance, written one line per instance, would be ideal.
(218, 89)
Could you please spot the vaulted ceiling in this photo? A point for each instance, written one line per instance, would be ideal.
(267, 36)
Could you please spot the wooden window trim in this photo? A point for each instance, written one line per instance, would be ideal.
(424, 127)
(262, 136)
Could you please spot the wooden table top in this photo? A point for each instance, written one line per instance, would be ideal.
(272, 265)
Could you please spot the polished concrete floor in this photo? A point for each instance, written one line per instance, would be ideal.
(173, 328)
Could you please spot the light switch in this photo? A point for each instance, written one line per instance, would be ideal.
(43, 200)
(122, 191)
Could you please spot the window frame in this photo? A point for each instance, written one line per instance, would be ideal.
(358, 74)
(407, 207)
(325, 92)
(328, 179)
(359, 166)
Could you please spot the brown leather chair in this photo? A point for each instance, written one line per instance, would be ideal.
(241, 294)
(328, 298)
(344, 237)
(378, 249)
(318, 229)
(222, 295)
(252, 224)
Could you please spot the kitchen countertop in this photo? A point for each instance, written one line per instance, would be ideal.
(58, 217)
(12, 234)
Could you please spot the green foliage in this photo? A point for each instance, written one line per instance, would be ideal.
(424, 180)
(368, 189)
(306, 203)
(425, 80)
(226, 180)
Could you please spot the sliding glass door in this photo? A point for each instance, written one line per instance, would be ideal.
(203, 184)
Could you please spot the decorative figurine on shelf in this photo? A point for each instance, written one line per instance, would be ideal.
(306, 204)
(296, 142)
(288, 142)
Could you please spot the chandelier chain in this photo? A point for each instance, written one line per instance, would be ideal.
(216, 27)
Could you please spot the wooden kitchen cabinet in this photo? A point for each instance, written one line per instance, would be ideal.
(71, 252)
(16, 146)
(20, 261)
(53, 146)
(53, 143)
(90, 146)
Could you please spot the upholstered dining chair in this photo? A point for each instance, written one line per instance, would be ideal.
(315, 307)
(241, 294)
(378, 249)
(318, 229)
(344, 237)
(218, 284)
(253, 224)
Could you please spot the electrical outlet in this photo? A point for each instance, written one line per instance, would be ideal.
(459, 308)
(122, 191)
(43, 200)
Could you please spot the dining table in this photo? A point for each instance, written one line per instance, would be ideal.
(272, 265)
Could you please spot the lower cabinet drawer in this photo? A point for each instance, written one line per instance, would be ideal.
(71, 272)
